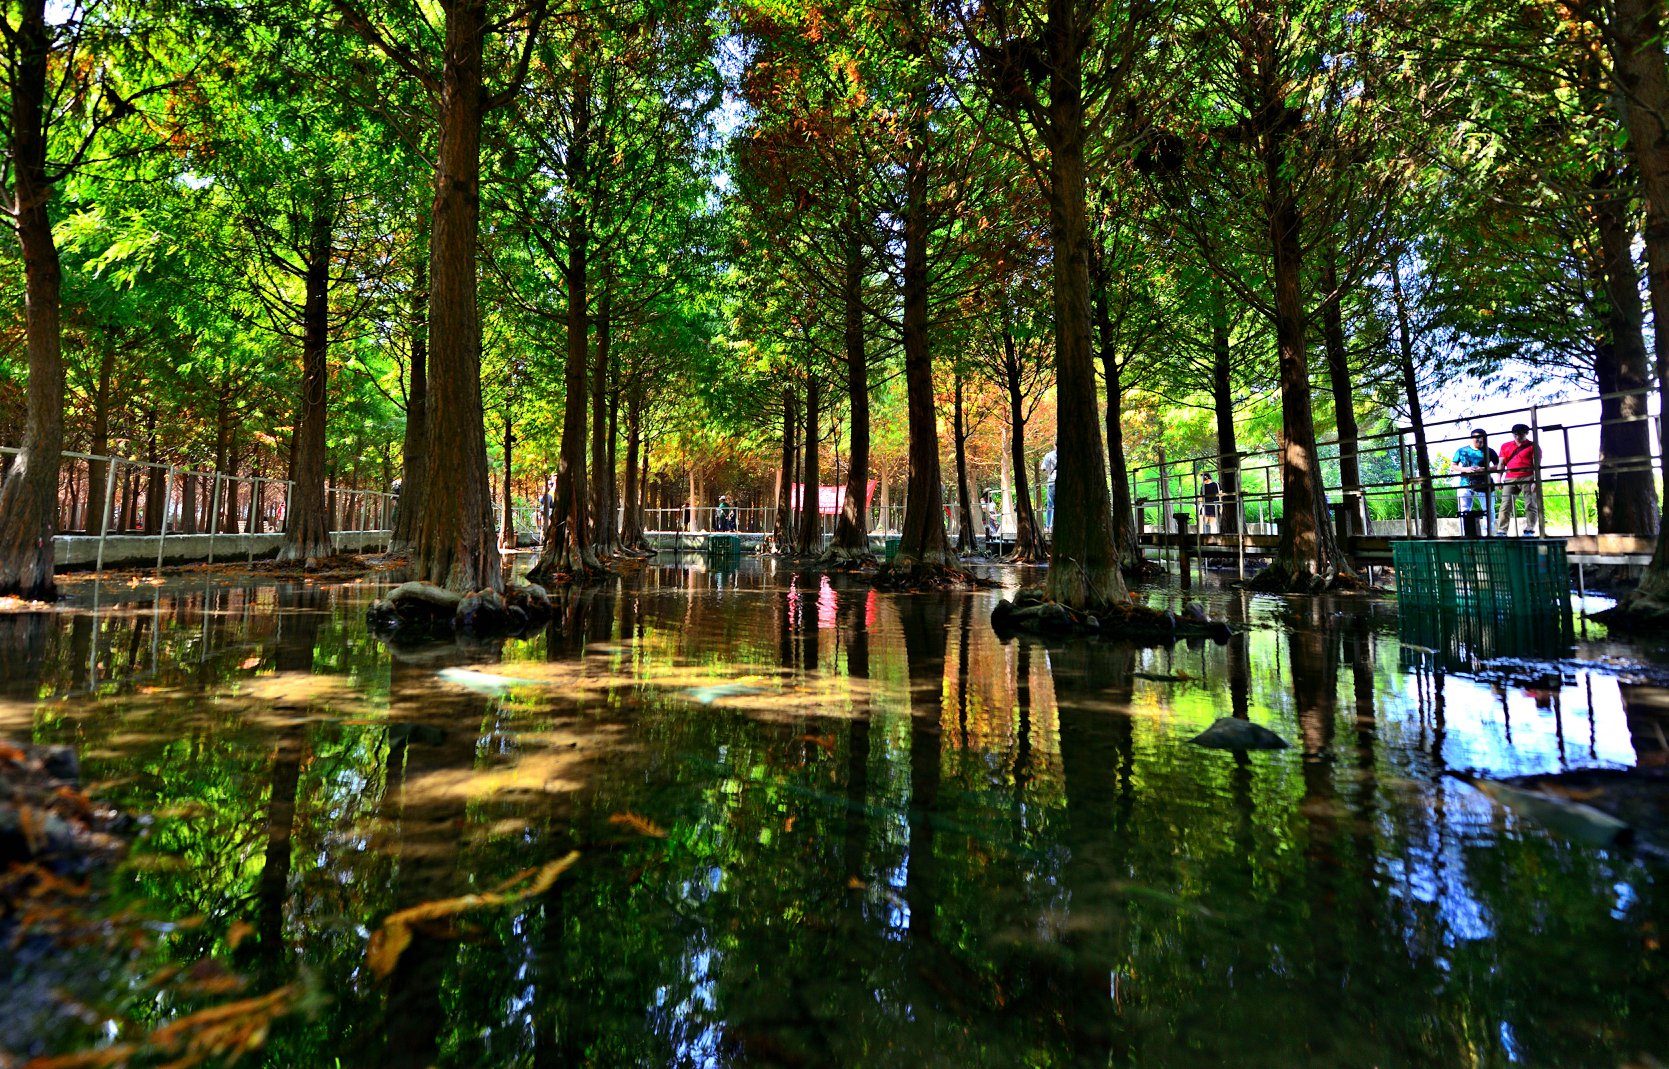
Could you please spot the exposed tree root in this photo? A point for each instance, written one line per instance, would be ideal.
(1277, 579)
(335, 566)
(909, 577)
(842, 559)
(1142, 568)
(1032, 613)
(549, 576)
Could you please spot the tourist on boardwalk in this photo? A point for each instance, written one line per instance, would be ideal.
(724, 517)
(1211, 496)
(1521, 475)
(992, 513)
(1049, 464)
(1472, 465)
(547, 505)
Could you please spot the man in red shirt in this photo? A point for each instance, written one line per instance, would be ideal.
(1521, 461)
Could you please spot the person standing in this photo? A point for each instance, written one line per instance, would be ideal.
(1521, 476)
(547, 506)
(724, 517)
(1472, 465)
(992, 513)
(1211, 496)
(1049, 464)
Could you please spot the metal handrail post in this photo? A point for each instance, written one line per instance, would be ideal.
(254, 516)
(162, 529)
(1570, 485)
(109, 504)
(1402, 479)
(1541, 498)
(214, 513)
(1240, 518)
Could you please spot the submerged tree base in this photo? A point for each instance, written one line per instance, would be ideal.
(552, 575)
(845, 559)
(423, 610)
(1636, 610)
(908, 577)
(1032, 612)
(1278, 579)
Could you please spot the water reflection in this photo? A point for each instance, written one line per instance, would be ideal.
(820, 825)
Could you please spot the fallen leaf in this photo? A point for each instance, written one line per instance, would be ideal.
(824, 742)
(391, 940)
(252, 662)
(238, 932)
(11, 753)
(641, 825)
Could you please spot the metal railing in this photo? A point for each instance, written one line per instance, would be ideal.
(109, 496)
(1388, 500)
(761, 519)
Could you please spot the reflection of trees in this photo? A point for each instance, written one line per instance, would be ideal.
(301, 609)
(852, 601)
(25, 637)
(1093, 687)
(430, 737)
(924, 620)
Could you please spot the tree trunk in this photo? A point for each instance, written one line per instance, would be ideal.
(1344, 399)
(1084, 565)
(1416, 419)
(602, 508)
(507, 515)
(188, 503)
(455, 543)
(1307, 555)
(612, 505)
(1222, 405)
(231, 518)
(415, 451)
(1028, 540)
(631, 533)
(964, 491)
(808, 539)
(1626, 486)
(1127, 542)
(851, 533)
(306, 529)
(29, 495)
(923, 543)
(1635, 34)
(782, 533)
(568, 540)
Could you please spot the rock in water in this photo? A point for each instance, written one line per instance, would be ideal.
(484, 613)
(1230, 733)
(1565, 817)
(531, 599)
(415, 600)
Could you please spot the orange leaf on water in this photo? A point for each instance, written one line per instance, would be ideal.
(824, 742)
(639, 824)
(252, 662)
(391, 940)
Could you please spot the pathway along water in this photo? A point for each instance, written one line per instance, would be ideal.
(824, 826)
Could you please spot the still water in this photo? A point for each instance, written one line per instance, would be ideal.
(817, 825)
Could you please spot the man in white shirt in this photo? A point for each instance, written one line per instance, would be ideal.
(1049, 464)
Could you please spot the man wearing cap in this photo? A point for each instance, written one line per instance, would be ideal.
(1521, 461)
(1472, 465)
